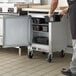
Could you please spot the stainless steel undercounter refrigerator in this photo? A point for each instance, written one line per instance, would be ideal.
(14, 30)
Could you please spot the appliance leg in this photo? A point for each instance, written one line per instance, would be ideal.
(19, 49)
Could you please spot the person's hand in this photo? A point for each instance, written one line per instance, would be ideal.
(62, 13)
(50, 14)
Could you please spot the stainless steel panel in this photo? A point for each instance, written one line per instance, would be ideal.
(16, 31)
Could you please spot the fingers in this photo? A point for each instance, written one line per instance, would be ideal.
(62, 13)
(50, 14)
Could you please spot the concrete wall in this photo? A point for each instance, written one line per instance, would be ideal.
(61, 2)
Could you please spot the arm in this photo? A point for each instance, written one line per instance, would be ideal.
(54, 4)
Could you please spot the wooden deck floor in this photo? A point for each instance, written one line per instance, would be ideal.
(13, 65)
